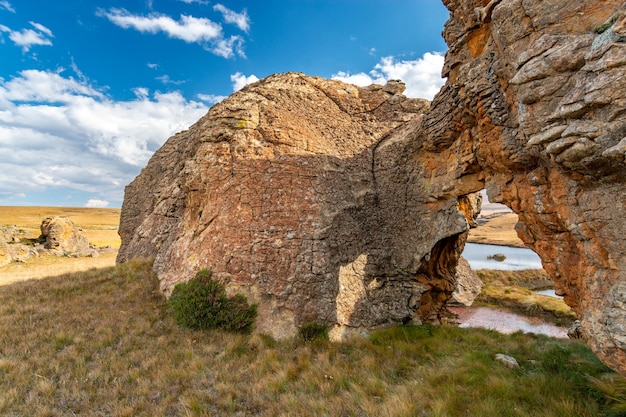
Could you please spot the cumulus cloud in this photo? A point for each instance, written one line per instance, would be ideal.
(189, 29)
(228, 47)
(6, 6)
(210, 98)
(56, 131)
(239, 80)
(360, 78)
(241, 20)
(421, 76)
(28, 37)
(95, 203)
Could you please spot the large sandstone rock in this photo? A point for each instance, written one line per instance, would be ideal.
(296, 189)
(535, 97)
(63, 237)
(468, 285)
(329, 202)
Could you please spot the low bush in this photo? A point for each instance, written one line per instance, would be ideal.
(202, 303)
(313, 331)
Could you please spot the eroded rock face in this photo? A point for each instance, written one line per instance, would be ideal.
(296, 189)
(539, 97)
(468, 285)
(61, 235)
(328, 202)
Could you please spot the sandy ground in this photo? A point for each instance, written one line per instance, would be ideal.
(496, 226)
(49, 266)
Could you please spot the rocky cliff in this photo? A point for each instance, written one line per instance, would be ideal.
(328, 202)
(536, 94)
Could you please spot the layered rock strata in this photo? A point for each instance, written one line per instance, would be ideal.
(537, 91)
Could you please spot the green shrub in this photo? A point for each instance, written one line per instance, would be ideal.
(313, 331)
(605, 26)
(202, 303)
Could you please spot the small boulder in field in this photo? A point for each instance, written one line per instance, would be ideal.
(61, 235)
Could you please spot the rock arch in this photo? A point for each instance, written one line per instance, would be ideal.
(328, 202)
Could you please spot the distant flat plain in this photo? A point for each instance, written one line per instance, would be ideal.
(100, 226)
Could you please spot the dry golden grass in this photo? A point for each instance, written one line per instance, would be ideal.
(102, 343)
(99, 226)
(499, 230)
(46, 266)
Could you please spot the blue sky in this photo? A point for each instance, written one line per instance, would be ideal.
(90, 89)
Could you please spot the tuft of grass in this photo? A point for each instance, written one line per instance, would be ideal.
(613, 392)
(103, 342)
(605, 26)
(313, 331)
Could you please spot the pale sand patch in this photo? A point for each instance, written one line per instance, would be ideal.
(498, 229)
(49, 266)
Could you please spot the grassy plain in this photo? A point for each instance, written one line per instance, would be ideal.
(499, 229)
(98, 225)
(103, 343)
(515, 290)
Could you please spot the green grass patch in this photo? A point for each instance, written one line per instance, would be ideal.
(514, 290)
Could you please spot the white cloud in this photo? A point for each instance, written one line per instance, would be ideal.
(56, 131)
(95, 203)
(421, 76)
(227, 47)
(360, 78)
(6, 6)
(210, 98)
(241, 20)
(141, 92)
(195, 1)
(240, 81)
(189, 29)
(42, 28)
(166, 79)
(29, 37)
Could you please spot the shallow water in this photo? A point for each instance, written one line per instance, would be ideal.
(549, 293)
(516, 258)
(505, 321)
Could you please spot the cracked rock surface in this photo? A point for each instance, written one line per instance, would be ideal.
(538, 88)
(295, 188)
(328, 202)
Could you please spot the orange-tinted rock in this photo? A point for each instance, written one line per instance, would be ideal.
(328, 202)
(537, 98)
